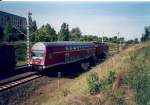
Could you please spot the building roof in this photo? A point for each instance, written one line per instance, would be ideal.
(8, 14)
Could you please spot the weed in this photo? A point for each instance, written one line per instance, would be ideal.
(65, 92)
(93, 83)
(111, 77)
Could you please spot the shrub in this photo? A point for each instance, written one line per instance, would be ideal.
(118, 99)
(20, 52)
(93, 83)
(65, 92)
(111, 77)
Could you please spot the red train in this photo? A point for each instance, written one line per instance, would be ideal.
(48, 54)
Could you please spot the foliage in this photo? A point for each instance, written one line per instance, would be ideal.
(33, 26)
(135, 41)
(94, 85)
(146, 35)
(45, 33)
(118, 98)
(138, 77)
(75, 34)
(7, 31)
(111, 77)
(89, 38)
(64, 32)
(65, 92)
(20, 51)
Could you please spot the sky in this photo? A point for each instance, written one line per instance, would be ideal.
(93, 18)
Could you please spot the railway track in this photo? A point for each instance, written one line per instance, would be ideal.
(26, 77)
(16, 82)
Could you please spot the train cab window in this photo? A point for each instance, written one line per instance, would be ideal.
(37, 53)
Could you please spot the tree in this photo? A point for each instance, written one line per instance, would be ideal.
(44, 33)
(64, 32)
(7, 30)
(76, 31)
(53, 35)
(89, 38)
(33, 29)
(75, 34)
(146, 35)
(136, 40)
(33, 26)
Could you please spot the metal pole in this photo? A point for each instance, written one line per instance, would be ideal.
(102, 38)
(59, 76)
(119, 41)
(28, 41)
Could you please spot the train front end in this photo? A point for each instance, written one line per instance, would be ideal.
(38, 52)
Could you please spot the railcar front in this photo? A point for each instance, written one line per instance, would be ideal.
(38, 54)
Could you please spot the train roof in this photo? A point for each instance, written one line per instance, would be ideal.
(42, 45)
(64, 43)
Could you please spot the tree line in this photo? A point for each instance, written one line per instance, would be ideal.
(46, 33)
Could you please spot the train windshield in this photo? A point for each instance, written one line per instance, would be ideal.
(37, 53)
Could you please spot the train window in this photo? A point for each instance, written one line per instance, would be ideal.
(67, 48)
(49, 55)
(70, 48)
(37, 53)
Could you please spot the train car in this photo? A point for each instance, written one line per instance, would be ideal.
(7, 57)
(101, 50)
(48, 54)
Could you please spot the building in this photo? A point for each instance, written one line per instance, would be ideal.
(16, 21)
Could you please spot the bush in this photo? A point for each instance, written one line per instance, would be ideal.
(118, 99)
(20, 52)
(111, 77)
(65, 92)
(93, 83)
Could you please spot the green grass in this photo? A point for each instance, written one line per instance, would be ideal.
(138, 78)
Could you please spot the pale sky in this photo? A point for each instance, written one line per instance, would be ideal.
(93, 18)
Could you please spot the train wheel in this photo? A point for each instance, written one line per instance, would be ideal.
(85, 66)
